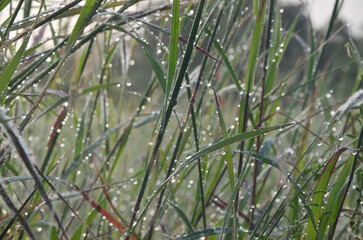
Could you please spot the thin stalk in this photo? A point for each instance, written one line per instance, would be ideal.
(261, 113)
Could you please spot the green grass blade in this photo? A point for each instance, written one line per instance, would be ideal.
(182, 215)
(228, 141)
(173, 47)
(3, 4)
(85, 16)
(263, 159)
(11, 67)
(12, 19)
(227, 149)
(227, 62)
(335, 197)
(255, 46)
(150, 53)
(320, 191)
(335, 216)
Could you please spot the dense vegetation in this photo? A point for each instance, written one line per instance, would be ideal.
(178, 120)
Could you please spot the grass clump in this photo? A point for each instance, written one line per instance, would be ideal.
(180, 120)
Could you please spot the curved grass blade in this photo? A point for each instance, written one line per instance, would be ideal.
(334, 219)
(182, 215)
(150, 53)
(330, 210)
(262, 158)
(320, 191)
(227, 62)
(231, 140)
(84, 92)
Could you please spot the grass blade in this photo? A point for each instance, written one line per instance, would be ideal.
(182, 215)
(227, 149)
(12, 66)
(228, 141)
(320, 191)
(174, 38)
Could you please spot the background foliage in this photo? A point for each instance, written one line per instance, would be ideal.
(216, 119)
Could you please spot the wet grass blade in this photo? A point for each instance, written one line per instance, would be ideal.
(150, 53)
(54, 136)
(12, 66)
(12, 207)
(227, 149)
(85, 16)
(255, 46)
(228, 141)
(320, 191)
(227, 62)
(182, 215)
(330, 211)
(173, 46)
